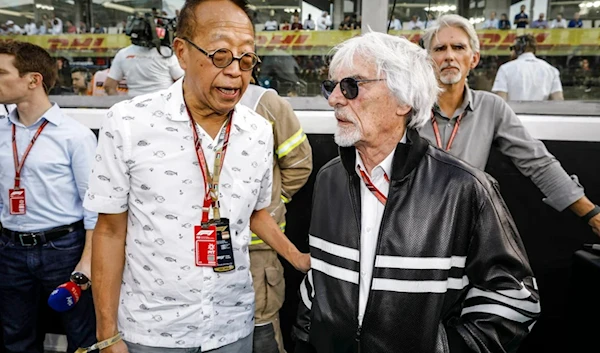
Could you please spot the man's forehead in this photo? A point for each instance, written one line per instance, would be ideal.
(450, 35)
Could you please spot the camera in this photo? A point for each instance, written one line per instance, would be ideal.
(151, 31)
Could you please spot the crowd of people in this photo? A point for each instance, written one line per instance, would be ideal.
(522, 20)
(177, 210)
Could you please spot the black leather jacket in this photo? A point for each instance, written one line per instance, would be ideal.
(450, 274)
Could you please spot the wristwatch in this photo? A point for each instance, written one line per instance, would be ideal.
(591, 214)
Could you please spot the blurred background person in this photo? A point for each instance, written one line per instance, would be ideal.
(540, 22)
(492, 22)
(576, 21)
(504, 23)
(559, 22)
(81, 79)
(527, 78)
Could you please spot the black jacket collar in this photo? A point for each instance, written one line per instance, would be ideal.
(406, 157)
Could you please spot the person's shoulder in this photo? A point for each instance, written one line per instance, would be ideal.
(485, 97)
(331, 168)
(250, 118)
(78, 131)
(142, 104)
(452, 168)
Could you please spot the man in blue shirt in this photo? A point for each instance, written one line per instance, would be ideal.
(45, 159)
(576, 21)
(521, 19)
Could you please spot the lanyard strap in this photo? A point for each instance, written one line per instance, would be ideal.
(211, 182)
(372, 188)
(436, 131)
(19, 166)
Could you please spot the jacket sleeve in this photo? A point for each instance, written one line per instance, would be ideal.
(502, 303)
(533, 160)
(292, 149)
(301, 329)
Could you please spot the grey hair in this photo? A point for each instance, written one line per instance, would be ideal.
(408, 70)
(455, 21)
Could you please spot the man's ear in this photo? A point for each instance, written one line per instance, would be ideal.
(180, 49)
(403, 110)
(475, 60)
(35, 80)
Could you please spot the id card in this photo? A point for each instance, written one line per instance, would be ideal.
(205, 245)
(225, 260)
(17, 201)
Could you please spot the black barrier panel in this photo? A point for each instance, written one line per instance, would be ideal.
(550, 237)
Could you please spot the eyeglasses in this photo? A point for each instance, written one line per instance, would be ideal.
(223, 57)
(348, 85)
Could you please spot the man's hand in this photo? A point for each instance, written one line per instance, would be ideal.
(595, 223)
(301, 262)
(119, 347)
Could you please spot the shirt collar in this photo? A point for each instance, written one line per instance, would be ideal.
(526, 56)
(178, 111)
(466, 104)
(386, 164)
(53, 115)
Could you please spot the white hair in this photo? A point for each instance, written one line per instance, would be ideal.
(455, 21)
(408, 71)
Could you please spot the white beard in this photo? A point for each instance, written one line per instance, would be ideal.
(346, 136)
(451, 79)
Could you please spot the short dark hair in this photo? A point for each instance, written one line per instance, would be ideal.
(87, 75)
(32, 58)
(186, 23)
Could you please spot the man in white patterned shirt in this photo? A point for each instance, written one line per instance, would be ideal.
(164, 207)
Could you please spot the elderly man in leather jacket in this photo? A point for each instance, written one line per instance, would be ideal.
(412, 250)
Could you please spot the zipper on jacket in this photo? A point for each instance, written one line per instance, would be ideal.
(357, 214)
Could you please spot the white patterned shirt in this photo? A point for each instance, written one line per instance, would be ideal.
(146, 164)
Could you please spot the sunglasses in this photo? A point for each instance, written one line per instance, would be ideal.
(223, 57)
(348, 86)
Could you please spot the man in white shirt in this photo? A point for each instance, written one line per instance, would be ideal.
(414, 24)
(324, 22)
(309, 23)
(492, 22)
(181, 176)
(271, 24)
(395, 25)
(30, 28)
(13, 28)
(57, 25)
(559, 22)
(145, 70)
(527, 78)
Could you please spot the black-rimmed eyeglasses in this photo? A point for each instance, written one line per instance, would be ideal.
(223, 57)
(348, 85)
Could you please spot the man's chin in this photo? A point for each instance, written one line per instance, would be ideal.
(345, 140)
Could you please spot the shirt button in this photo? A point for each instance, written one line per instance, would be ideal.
(368, 229)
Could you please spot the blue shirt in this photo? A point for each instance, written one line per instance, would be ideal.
(521, 16)
(575, 23)
(54, 176)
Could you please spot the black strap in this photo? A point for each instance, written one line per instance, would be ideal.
(591, 214)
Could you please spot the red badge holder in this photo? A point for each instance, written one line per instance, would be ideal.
(17, 203)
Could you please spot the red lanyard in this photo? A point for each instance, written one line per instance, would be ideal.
(211, 182)
(19, 166)
(372, 188)
(436, 131)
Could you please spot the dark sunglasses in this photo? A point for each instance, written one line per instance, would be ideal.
(223, 57)
(348, 85)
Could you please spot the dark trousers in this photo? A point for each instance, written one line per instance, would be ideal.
(264, 339)
(27, 277)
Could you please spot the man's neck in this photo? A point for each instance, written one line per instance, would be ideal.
(451, 98)
(31, 111)
(208, 119)
(372, 154)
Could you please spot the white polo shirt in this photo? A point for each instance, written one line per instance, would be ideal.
(146, 164)
(145, 70)
(527, 79)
